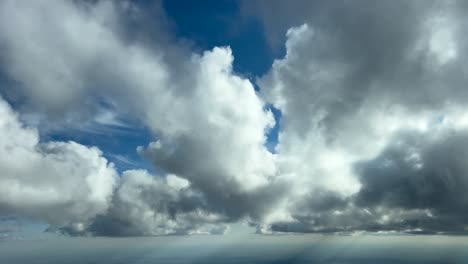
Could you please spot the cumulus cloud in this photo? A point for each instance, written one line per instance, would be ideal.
(73, 61)
(210, 124)
(372, 133)
(353, 86)
(147, 205)
(63, 183)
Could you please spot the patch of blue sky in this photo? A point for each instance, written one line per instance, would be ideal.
(221, 23)
(118, 146)
(273, 133)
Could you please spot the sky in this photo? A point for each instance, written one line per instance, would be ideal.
(281, 121)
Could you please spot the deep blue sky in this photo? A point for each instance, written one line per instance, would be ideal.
(222, 23)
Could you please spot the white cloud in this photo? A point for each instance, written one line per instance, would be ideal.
(59, 182)
(210, 122)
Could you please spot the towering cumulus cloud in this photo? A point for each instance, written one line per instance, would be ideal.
(373, 99)
(209, 123)
(373, 133)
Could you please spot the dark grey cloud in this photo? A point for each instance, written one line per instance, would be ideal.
(398, 194)
(416, 185)
(420, 173)
(197, 161)
(144, 205)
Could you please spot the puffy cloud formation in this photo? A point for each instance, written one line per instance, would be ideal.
(210, 123)
(147, 205)
(373, 126)
(373, 108)
(63, 183)
(420, 180)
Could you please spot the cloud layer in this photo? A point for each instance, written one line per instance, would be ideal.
(373, 128)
